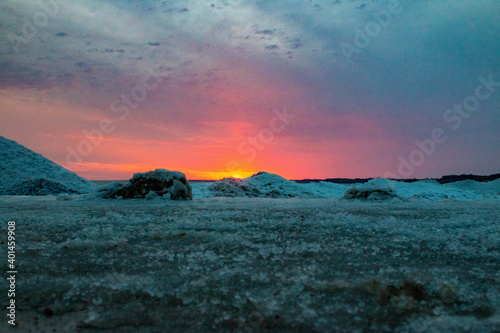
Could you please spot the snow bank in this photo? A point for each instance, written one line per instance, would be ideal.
(24, 172)
(262, 184)
(268, 185)
(150, 185)
(491, 188)
(375, 189)
(433, 190)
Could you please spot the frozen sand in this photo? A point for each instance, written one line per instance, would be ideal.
(250, 265)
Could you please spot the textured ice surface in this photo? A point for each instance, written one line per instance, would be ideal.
(251, 265)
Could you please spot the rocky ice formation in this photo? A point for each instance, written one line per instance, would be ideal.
(150, 185)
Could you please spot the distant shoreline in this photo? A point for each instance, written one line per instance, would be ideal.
(442, 180)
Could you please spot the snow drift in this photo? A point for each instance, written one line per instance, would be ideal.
(267, 185)
(262, 184)
(432, 190)
(150, 185)
(24, 172)
(489, 188)
(427, 189)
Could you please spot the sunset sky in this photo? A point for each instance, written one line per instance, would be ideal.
(303, 89)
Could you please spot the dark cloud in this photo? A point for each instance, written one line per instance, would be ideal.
(113, 50)
(23, 77)
(177, 10)
(81, 64)
(273, 47)
(266, 32)
(296, 43)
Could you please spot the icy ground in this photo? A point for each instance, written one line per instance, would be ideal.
(251, 265)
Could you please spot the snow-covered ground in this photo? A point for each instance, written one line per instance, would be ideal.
(258, 264)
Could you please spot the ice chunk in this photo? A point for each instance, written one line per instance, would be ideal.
(149, 185)
(375, 189)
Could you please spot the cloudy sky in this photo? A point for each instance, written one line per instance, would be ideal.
(304, 89)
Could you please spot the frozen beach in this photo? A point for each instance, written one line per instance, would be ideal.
(255, 264)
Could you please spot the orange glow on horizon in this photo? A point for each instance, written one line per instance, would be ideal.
(129, 169)
(225, 174)
(202, 152)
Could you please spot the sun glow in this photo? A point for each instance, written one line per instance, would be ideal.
(222, 174)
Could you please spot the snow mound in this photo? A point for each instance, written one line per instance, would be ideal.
(262, 184)
(150, 185)
(268, 185)
(24, 172)
(375, 189)
(427, 189)
(433, 190)
(490, 188)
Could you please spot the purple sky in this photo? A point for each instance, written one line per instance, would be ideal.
(227, 88)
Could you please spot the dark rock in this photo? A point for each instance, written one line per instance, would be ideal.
(150, 184)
